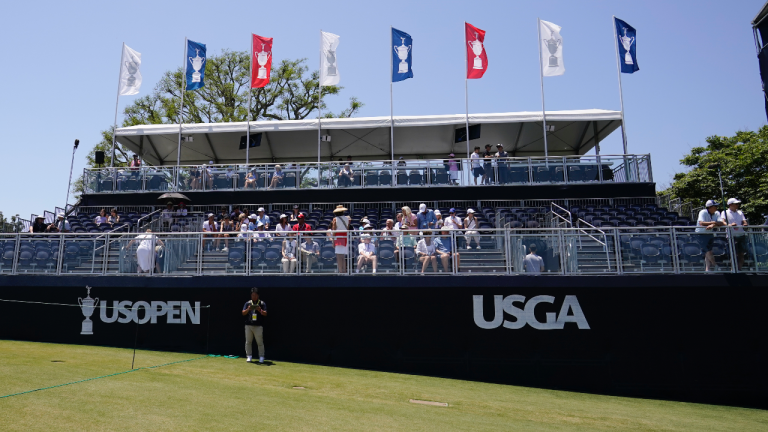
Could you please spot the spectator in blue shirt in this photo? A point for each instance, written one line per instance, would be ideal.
(425, 218)
(263, 218)
(444, 247)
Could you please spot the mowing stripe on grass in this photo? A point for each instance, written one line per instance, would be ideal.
(103, 376)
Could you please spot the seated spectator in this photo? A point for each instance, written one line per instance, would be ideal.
(363, 222)
(389, 230)
(295, 214)
(39, 226)
(168, 214)
(367, 253)
(310, 250)
(250, 181)
(235, 215)
(193, 182)
(427, 252)
(425, 219)
(735, 220)
(113, 219)
(445, 249)
(226, 230)
(62, 225)
(400, 161)
(532, 262)
(277, 177)
(211, 227)
(346, 176)
(398, 222)
(438, 219)
(259, 234)
(101, 218)
(282, 226)
(709, 219)
(181, 212)
(243, 226)
(220, 217)
(232, 176)
(289, 253)
(302, 225)
(470, 223)
(262, 217)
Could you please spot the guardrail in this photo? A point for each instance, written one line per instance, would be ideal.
(562, 251)
(372, 174)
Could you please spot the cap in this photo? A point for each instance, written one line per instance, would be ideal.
(422, 207)
(210, 215)
(260, 224)
(451, 154)
(210, 162)
(733, 201)
(253, 216)
(437, 212)
(278, 166)
(261, 209)
(711, 203)
(452, 210)
(295, 206)
(254, 290)
(365, 236)
(470, 211)
(367, 226)
(499, 145)
(301, 216)
(283, 216)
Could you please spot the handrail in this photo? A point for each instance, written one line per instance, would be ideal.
(138, 222)
(605, 244)
(593, 227)
(570, 216)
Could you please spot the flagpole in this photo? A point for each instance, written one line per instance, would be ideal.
(541, 77)
(319, 97)
(248, 119)
(621, 91)
(181, 111)
(391, 110)
(117, 102)
(466, 93)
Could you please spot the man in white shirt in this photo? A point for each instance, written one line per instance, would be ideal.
(210, 226)
(453, 222)
(735, 220)
(427, 252)
(708, 220)
(367, 253)
(532, 262)
(477, 167)
(262, 217)
(471, 234)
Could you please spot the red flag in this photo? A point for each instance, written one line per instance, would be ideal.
(477, 61)
(261, 61)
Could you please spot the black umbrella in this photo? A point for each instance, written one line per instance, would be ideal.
(173, 196)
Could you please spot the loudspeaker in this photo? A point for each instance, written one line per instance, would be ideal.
(255, 140)
(99, 156)
(461, 133)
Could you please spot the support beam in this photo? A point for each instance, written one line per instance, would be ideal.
(517, 140)
(215, 156)
(580, 144)
(596, 138)
(269, 144)
(154, 150)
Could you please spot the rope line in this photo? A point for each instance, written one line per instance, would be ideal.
(67, 304)
(103, 376)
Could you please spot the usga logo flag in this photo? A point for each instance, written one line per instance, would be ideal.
(627, 46)
(477, 61)
(195, 65)
(130, 72)
(329, 68)
(551, 49)
(402, 55)
(261, 61)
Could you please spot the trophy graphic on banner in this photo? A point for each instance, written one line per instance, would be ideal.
(477, 48)
(552, 45)
(262, 58)
(627, 43)
(197, 64)
(330, 56)
(402, 54)
(131, 68)
(88, 306)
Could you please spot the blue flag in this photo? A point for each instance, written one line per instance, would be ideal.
(402, 55)
(195, 65)
(627, 46)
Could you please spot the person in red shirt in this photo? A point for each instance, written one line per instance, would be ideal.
(302, 226)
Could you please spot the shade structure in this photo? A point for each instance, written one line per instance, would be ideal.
(368, 138)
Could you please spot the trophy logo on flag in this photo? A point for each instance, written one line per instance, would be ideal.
(262, 57)
(197, 64)
(330, 55)
(402, 54)
(627, 43)
(477, 48)
(131, 68)
(552, 45)
(88, 306)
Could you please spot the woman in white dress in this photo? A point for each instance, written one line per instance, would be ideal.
(146, 250)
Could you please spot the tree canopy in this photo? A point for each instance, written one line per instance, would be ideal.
(743, 160)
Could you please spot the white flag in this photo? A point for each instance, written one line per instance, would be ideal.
(329, 68)
(130, 72)
(551, 49)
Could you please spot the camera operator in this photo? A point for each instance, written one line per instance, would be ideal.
(254, 312)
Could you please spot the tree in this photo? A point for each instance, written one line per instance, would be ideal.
(743, 160)
(13, 226)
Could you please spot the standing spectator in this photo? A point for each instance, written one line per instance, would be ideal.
(445, 249)
(426, 251)
(208, 175)
(289, 253)
(277, 177)
(135, 166)
(302, 225)
(262, 217)
(346, 176)
(227, 229)
(532, 262)
(282, 226)
(295, 214)
(254, 311)
(38, 227)
(409, 220)
(477, 168)
(487, 165)
(211, 227)
(453, 168)
(310, 250)
(709, 219)
(501, 158)
(101, 218)
(340, 226)
(470, 223)
(62, 225)
(426, 218)
(367, 254)
(735, 220)
(454, 222)
(146, 251)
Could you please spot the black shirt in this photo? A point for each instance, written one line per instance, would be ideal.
(39, 227)
(487, 157)
(249, 317)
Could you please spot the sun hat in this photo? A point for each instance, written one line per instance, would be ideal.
(367, 226)
(711, 203)
(437, 212)
(733, 201)
(470, 211)
(295, 206)
(339, 209)
(60, 214)
(210, 215)
(283, 216)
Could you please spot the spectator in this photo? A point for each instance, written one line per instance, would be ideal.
(409, 220)
(101, 218)
(254, 312)
(398, 223)
(211, 227)
(38, 227)
(426, 251)
(181, 212)
(302, 225)
(389, 229)
(340, 226)
(477, 168)
(259, 235)
(363, 222)
(168, 214)
(277, 177)
(243, 223)
(426, 218)
(438, 219)
(252, 223)
(470, 223)
(208, 175)
(346, 176)
(235, 215)
(222, 213)
(262, 217)
(135, 166)
(295, 213)
(453, 169)
(310, 250)
(532, 262)
(250, 181)
(501, 158)
(735, 220)
(454, 222)
(709, 219)
(146, 251)
(445, 249)
(289, 253)
(227, 230)
(487, 165)
(62, 225)
(282, 226)
(400, 162)
(367, 254)
(113, 218)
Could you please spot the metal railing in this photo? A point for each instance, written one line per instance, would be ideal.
(565, 251)
(371, 174)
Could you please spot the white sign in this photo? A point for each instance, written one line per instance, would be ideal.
(525, 313)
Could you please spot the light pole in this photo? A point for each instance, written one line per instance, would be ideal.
(69, 184)
(722, 191)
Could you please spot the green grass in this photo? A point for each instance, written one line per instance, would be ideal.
(223, 394)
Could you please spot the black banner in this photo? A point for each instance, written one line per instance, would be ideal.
(696, 338)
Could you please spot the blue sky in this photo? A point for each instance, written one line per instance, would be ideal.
(698, 70)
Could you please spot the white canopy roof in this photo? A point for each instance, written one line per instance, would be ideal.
(368, 138)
